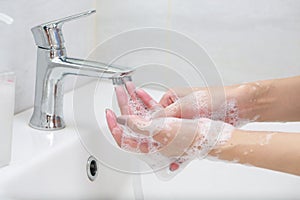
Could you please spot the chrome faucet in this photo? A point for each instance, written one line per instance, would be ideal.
(53, 65)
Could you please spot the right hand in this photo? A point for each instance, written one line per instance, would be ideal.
(234, 104)
(172, 95)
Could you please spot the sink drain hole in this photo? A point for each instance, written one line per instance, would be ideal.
(92, 168)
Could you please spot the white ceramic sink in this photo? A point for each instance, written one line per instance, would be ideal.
(52, 165)
(204, 179)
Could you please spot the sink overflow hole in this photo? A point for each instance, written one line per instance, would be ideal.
(92, 168)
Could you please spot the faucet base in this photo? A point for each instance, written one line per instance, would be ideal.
(50, 123)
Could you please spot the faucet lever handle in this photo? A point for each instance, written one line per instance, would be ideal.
(60, 22)
(49, 35)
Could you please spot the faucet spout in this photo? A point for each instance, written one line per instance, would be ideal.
(74, 66)
(52, 67)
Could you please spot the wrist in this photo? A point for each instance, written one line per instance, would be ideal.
(226, 150)
(216, 135)
(253, 99)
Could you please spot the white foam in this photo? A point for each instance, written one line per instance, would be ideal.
(139, 108)
(201, 107)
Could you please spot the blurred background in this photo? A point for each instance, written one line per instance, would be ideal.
(247, 39)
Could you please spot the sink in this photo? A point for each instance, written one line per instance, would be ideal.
(53, 165)
(205, 179)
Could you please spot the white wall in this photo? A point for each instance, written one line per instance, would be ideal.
(17, 47)
(247, 39)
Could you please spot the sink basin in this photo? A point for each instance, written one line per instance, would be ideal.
(205, 179)
(53, 165)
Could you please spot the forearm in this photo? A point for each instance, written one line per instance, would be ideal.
(271, 150)
(270, 100)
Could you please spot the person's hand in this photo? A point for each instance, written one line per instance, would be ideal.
(235, 105)
(195, 104)
(177, 140)
(172, 95)
(201, 104)
(134, 101)
(187, 103)
(142, 135)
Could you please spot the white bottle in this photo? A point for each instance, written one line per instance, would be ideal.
(7, 102)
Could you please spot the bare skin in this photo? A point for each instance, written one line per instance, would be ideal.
(262, 101)
(275, 100)
(270, 150)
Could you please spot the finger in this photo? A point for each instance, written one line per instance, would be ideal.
(164, 131)
(130, 142)
(113, 126)
(165, 101)
(138, 146)
(119, 137)
(168, 98)
(130, 87)
(135, 123)
(141, 126)
(148, 100)
(156, 129)
(144, 147)
(172, 110)
(149, 146)
(122, 99)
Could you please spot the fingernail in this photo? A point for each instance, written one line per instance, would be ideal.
(122, 120)
(109, 112)
(174, 98)
(117, 88)
(174, 166)
(139, 90)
